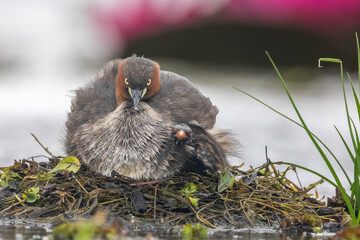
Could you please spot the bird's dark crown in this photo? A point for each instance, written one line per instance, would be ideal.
(138, 71)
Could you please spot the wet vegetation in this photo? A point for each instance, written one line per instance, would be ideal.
(62, 190)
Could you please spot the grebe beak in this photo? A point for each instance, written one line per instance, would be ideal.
(136, 96)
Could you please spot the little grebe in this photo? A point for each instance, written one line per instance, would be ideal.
(144, 123)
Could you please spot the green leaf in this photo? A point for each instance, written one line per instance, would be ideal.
(33, 190)
(333, 60)
(3, 182)
(194, 201)
(226, 180)
(31, 195)
(189, 189)
(32, 198)
(44, 176)
(8, 176)
(263, 172)
(24, 196)
(71, 164)
(77, 231)
(197, 231)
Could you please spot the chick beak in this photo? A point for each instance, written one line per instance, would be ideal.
(136, 96)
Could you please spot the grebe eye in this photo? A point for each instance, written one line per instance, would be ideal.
(148, 82)
(126, 81)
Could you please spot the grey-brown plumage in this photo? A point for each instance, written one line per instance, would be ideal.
(183, 102)
(122, 121)
(134, 143)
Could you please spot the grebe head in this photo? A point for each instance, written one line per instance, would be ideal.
(138, 79)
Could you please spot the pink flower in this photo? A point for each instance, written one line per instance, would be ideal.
(130, 19)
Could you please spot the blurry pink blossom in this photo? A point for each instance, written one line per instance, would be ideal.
(130, 19)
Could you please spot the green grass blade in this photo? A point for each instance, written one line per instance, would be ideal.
(346, 145)
(266, 105)
(292, 120)
(355, 96)
(356, 134)
(349, 152)
(306, 169)
(335, 60)
(356, 186)
(357, 161)
(337, 180)
(358, 53)
(300, 117)
(346, 107)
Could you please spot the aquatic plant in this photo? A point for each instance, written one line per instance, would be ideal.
(352, 201)
(192, 231)
(235, 198)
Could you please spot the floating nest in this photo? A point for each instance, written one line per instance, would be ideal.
(61, 189)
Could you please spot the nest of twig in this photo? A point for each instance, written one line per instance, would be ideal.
(234, 198)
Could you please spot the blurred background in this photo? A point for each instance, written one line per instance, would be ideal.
(49, 48)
